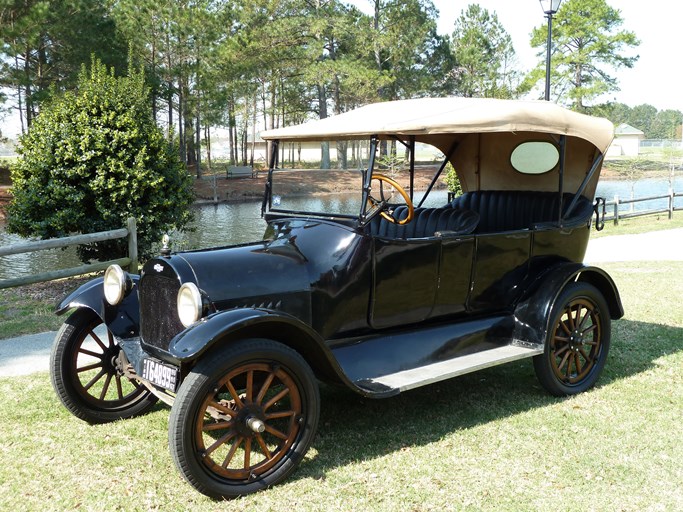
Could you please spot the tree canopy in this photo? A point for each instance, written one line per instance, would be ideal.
(240, 65)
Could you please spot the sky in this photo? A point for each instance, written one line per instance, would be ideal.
(657, 75)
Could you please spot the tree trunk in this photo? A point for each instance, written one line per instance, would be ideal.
(198, 149)
(154, 91)
(19, 100)
(207, 144)
(232, 139)
(181, 115)
(377, 49)
(27, 89)
(253, 131)
(198, 139)
(170, 88)
(170, 110)
(324, 146)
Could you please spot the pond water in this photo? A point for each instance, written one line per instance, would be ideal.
(234, 223)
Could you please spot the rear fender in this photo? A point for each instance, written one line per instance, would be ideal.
(123, 320)
(225, 327)
(532, 314)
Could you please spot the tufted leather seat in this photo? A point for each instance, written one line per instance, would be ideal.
(426, 223)
(505, 210)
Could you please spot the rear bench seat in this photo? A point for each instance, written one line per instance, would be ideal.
(505, 210)
(427, 222)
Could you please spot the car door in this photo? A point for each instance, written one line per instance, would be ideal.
(501, 265)
(418, 279)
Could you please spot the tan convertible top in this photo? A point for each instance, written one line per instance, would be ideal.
(426, 118)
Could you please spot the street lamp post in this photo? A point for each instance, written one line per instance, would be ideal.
(549, 7)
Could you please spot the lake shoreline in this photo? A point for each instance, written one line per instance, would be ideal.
(241, 190)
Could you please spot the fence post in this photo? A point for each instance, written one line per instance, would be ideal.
(616, 210)
(133, 245)
(671, 203)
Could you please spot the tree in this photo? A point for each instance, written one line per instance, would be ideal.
(45, 42)
(631, 169)
(666, 125)
(587, 44)
(655, 124)
(93, 158)
(484, 55)
(402, 45)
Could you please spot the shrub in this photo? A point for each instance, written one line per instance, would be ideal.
(94, 157)
(452, 181)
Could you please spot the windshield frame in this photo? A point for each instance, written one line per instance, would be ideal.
(361, 218)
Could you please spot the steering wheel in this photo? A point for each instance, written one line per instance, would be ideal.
(383, 204)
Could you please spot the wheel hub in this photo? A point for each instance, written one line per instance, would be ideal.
(249, 421)
(576, 341)
(110, 358)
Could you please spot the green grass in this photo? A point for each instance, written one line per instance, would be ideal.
(20, 314)
(632, 226)
(492, 440)
(31, 309)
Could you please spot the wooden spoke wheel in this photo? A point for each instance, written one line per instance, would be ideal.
(87, 376)
(578, 341)
(244, 418)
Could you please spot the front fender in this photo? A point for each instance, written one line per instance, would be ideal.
(123, 320)
(237, 323)
(532, 314)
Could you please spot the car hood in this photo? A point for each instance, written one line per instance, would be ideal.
(248, 275)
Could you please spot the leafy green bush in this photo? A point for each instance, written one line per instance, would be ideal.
(91, 159)
(452, 180)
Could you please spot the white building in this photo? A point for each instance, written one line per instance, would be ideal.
(626, 141)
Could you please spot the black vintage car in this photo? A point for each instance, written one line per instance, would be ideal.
(380, 288)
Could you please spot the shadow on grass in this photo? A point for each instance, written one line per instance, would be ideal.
(353, 428)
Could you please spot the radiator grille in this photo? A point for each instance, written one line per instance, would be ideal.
(159, 321)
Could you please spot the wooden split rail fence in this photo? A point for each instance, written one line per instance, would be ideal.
(617, 215)
(131, 261)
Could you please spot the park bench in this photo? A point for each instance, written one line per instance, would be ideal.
(240, 171)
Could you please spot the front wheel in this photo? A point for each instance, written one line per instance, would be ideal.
(578, 341)
(87, 376)
(244, 418)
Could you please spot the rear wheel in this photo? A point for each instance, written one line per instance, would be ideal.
(87, 376)
(578, 341)
(244, 418)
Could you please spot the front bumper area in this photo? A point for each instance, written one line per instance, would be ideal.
(161, 377)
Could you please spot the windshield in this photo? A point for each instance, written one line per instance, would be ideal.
(326, 178)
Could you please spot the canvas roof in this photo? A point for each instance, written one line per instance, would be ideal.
(427, 118)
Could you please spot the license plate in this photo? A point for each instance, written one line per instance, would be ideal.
(160, 374)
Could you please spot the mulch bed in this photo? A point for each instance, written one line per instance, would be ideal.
(51, 291)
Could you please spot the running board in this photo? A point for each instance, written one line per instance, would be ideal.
(416, 377)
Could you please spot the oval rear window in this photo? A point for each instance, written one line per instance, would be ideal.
(535, 157)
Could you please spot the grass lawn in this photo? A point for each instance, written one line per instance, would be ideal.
(492, 440)
(31, 309)
(632, 226)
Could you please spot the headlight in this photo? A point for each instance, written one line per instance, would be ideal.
(116, 284)
(189, 304)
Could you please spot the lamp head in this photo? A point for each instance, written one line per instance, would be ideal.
(550, 7)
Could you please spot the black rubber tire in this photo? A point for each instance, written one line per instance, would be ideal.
(272, 366)
(114, 396)
(575, 355)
